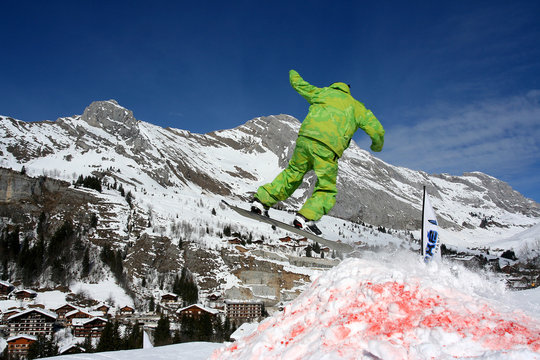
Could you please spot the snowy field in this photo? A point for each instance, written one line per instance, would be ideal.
(187, 351)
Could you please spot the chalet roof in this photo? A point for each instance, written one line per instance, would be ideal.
(5, 283)
(66, 305)
(31, 292)
(170, 294)
(65, 348)
(82, 321)
(22, 336)
(208, 310)
(41, 311)
(74, 312)
(12, 311)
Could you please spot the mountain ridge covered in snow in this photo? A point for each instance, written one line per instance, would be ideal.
(232, 163)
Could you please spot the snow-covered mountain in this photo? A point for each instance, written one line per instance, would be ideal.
(176, 180)
(232, 163)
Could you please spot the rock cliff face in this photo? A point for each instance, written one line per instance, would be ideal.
(23, 199)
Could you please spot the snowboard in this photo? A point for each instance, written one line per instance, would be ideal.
(334, 245)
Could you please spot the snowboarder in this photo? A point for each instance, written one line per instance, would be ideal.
(333, 118)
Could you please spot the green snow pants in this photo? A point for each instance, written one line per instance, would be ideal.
(309, 154)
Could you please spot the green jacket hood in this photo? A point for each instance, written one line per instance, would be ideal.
(334, 116)
(341, 86)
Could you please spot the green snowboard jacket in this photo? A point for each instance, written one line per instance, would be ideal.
(334, 115)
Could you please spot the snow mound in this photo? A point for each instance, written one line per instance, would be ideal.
(394, 308)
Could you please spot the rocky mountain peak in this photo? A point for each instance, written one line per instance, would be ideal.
(112, 117)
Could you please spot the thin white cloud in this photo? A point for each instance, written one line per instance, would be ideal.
(500, 138)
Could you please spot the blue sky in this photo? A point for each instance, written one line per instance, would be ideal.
(455, 84)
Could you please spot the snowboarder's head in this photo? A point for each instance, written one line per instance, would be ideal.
(342, 87)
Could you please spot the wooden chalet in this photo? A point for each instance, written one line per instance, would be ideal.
(76, 314)
(214, 297)
(8, 313)
(195, 311)
(235, 241)
(92, 327)
(36, 306)
(169, 298)
(104, 309)
(286, 239)
(24, 295)
(127, 310)
(5, 288)
(32, 322)
(63, 310)
(18, 345)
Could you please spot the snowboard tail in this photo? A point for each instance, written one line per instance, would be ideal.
(334, 245)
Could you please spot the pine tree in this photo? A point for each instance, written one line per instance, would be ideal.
(186, 288)
(41, 226)
(86, 264)
(162, 335)
(93, 221)
(134, 339)
(152, 305)
(227, 330)
(187, 325)
(177, 338)
(12, 243)
(42, 347)
(116, 338)
(129, 199)
(87, 345)
(106, 339)
(203, 326)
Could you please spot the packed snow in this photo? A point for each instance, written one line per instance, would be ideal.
(396, 307)
(186, 351)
